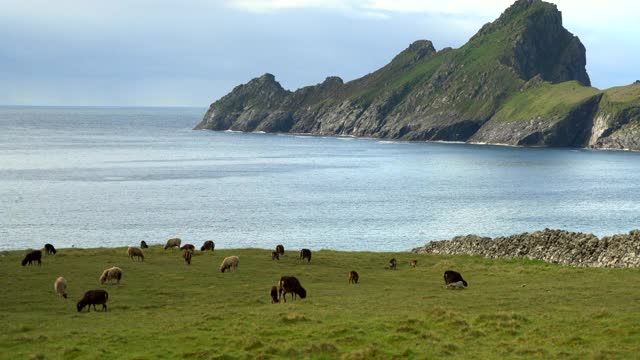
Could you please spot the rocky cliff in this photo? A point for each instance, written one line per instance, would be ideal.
(520, 80)
(555, 246)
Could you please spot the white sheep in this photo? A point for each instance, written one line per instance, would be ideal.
(60, 286)
(110, 274)
(230, 262)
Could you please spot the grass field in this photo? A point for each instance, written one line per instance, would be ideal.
(165, 309)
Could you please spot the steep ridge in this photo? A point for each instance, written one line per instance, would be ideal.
(521, 80)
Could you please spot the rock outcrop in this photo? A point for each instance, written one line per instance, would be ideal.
(554, 246)
(481, 92)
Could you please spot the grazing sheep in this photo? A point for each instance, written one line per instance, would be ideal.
(451, 277)
(110, 274)
(413, 263)
(290, 284)
(60, 286)
(305, 254)
(187, 256)
(171, 243)
(93, 297)
(189, 247)
(353, 277)
(455, 285)
(208, 245)
(49, 249)
(35, 255)
(134, 251)
(229, 263)
(393, 264)
(274, 295)
(275, 255)
(280, 249)
(143, 245)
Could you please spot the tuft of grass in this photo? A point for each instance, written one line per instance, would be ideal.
(196, 312)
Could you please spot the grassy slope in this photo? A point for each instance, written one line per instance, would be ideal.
(548, 101)
(166, 309)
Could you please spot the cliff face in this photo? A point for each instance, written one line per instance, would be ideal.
(473, 93)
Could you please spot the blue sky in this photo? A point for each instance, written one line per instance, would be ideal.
(191, 52)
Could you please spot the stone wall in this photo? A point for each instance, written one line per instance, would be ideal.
(554, 246)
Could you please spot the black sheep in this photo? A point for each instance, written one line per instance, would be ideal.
(275, 256)
(393, 264)
(274, 295)
(280, 249)
(49, 249)
(189, 247)
(143, 245)
(208, 245)
(451, 277)
(93, 297)
(290, 284)
(35, 255)
(353, 277)
(305, 254)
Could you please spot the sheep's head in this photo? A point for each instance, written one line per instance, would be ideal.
(80, 305)
(302, 292)
(24, 262)
(64, 295)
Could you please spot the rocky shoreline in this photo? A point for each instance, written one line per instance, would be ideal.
(554, 246)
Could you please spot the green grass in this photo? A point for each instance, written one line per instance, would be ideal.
(165, 309)
(547, 101)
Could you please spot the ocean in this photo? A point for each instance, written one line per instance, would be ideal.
(108, 177)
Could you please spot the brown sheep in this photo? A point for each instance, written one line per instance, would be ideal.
(171, 243)
(93, 297)
(35, 255)
(60, 286)
(275, 256)
(189, 247)
(136, 252)
(274, 295)
(291, 285)
(280, 249)
(187, 256)
(353, 277)
(230, 263)
(305, 254)
(208, 245)
(413, 263)
(110, 274)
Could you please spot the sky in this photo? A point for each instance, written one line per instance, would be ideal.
(192, 52)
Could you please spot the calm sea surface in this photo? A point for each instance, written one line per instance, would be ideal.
(89, 177)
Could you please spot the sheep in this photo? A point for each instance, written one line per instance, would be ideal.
(290, 284)
(275, 256)
(393, 264)
(110, 274)
(413, 263)
(274, 295)
(187, 256)
(455, 285)
(134, 251)
(451, 277)
(229, 263)
(171, 243)
(60, 286)
(353, 277)
(305, 254)
(208, 245)
(189, 247)
(49, 249)
(93, 297)
(280, 249)
(143, 245)
(35, 255)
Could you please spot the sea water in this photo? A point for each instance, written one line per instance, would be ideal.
(91, 177)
